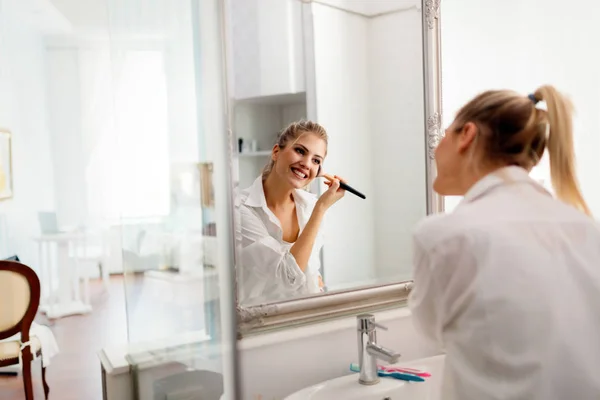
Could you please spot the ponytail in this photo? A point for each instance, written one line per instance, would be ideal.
(561, 148)
(267, 169)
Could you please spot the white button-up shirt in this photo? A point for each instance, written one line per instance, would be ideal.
(509, 286)
(267, 271)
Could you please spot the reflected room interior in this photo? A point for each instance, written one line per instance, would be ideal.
(355, 68)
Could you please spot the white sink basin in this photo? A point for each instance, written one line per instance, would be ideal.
(348, 388)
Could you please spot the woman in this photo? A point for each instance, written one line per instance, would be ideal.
(509, 283)
(280, 221)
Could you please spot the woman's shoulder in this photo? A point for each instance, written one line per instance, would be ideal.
(438, 228)
(430, 224)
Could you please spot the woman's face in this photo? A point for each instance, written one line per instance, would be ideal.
(298, 163)
(453, 159)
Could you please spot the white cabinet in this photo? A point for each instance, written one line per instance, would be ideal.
(266, 47)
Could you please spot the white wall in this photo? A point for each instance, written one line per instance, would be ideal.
(397, 136)
(527, 43)
(341, 48)
(369, 95)
(23, 111)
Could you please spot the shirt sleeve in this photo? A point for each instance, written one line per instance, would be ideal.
(265, 262)
(444, 279)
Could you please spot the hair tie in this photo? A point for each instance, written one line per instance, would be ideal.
(533, 99)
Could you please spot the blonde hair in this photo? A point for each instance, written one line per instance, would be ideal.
(291, 134)
(515, 132)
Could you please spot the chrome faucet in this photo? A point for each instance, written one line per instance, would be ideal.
(369, 351)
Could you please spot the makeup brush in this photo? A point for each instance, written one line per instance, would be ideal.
(343, 185)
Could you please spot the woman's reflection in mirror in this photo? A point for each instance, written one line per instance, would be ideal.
(279, 234)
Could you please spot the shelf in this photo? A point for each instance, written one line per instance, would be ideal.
(263, 153)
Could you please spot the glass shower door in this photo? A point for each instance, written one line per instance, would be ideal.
(172, 169)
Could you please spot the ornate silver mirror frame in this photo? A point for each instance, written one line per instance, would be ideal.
(261, 318)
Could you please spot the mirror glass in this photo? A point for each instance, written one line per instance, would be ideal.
(352, 69)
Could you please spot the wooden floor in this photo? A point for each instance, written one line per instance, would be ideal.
(75, 373)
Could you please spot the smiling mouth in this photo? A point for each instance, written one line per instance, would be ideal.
(299, 173)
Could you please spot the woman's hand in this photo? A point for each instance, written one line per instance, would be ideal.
(332, 195)
(302, 249)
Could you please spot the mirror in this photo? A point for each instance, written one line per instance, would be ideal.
(354, 69)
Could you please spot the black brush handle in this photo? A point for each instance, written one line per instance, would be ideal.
(350, 189)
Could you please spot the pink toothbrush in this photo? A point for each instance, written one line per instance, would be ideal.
(412, 371)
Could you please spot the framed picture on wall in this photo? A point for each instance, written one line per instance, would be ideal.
(206, 184)
(6, 176)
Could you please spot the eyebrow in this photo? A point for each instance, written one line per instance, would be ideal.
(304, 147)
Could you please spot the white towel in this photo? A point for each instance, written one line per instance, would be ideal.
(47, 342)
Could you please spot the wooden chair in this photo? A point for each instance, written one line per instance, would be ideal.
(19, 302)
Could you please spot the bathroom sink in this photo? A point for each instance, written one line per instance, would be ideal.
(348, 388)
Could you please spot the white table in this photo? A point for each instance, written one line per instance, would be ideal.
(60, 275)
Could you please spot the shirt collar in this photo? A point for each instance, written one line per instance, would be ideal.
(256, 195)
(500, 177)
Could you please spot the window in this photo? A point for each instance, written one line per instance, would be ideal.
(130, 165)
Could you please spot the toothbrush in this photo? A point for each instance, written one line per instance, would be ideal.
(397, 375)
(411, 371)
